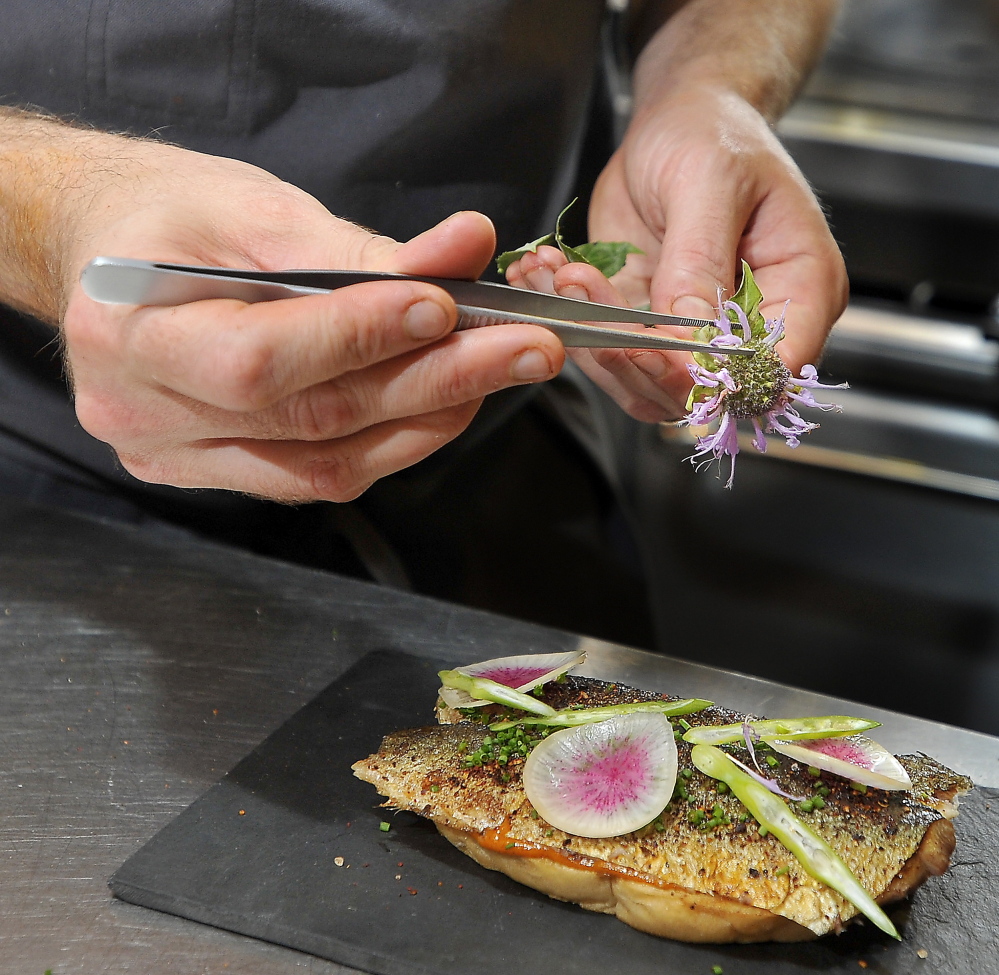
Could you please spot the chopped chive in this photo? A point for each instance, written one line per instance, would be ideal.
(384, 827)
(782, 871)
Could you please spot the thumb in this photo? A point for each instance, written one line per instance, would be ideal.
(460, 246)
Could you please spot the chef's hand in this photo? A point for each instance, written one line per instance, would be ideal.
(302, 399)
(700, 182)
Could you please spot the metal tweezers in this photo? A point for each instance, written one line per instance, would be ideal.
(117, 280)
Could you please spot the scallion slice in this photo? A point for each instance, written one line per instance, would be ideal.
(482, 689)
(818, 858)
(523, 672)
(828, 726)
(570, 718)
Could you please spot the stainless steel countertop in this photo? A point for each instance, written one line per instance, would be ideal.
(138, 669)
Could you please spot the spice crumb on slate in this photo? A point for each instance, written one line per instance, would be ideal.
(412, 890)
(922, 953)
(338, 861)
(398, 876)
(862, 963)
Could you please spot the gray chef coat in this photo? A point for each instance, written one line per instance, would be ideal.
(393, 113)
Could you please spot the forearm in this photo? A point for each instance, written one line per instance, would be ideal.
(760, 50)
(54, 178)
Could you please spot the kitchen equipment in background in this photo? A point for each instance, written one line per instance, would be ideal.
(866, 562)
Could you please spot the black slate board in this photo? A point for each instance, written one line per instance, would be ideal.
(259, 852)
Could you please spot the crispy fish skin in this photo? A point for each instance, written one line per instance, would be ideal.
(891, 841)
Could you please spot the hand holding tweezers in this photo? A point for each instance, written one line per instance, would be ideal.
(116, 280)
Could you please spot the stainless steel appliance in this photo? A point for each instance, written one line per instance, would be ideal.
(866, 562)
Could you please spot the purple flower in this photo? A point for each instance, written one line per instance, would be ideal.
(759, 388)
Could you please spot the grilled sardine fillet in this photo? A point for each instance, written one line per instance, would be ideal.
(672, 878)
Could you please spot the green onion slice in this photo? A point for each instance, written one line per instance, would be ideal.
(570, 718)
(818, 858)
(789, 729)
(483, 689)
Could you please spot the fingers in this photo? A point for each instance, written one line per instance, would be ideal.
(536, 271)
(812, 275)
(462, 369)
(336, 470)
(247, 357)
(649, 385)
(198, 382)
(702, 235)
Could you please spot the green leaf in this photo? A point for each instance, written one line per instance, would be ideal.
(508, 257)
(571, 254)
(607, 256)
(748, 298)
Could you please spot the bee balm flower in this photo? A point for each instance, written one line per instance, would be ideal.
(757, 388)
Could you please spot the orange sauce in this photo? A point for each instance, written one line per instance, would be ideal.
(499, 840)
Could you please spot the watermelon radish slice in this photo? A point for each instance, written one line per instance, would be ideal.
(522, 673)
(604, 779)
(857, 758)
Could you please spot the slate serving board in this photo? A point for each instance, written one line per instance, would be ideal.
(288, 848)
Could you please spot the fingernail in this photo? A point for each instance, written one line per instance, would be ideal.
(425, 320)
(574, 291)
(690, 306)
(541, 279)
(530, 365)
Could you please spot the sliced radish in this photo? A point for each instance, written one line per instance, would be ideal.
(522, 673)
(856, 758)
(604, 779)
